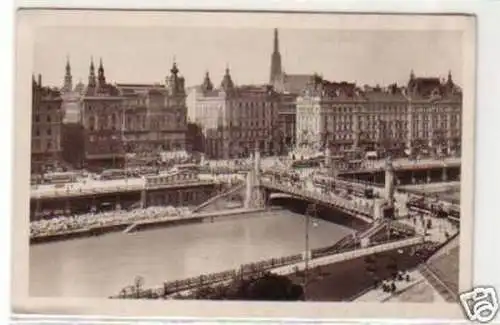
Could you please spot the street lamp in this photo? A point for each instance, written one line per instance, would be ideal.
(311, 210)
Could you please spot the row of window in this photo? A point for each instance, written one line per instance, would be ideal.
(38, 145)
(48, 131)
(49, 118)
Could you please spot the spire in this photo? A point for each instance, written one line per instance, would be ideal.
(276, 41)
(450, 79)
(276, 72)
(68, 66)
(92, 79)
(412, 75)
(101, 78)
(68, 79)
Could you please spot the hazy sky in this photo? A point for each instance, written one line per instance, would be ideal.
(145, 55)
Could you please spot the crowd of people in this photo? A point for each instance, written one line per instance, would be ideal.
(63, 224)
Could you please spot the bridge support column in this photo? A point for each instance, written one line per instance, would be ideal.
(93, 206)
(413, 178)
(389, 181)
(444, 175)
(118, 205)
(67, 207)
(143, 199)
(428, 178)
(38, 207)
(254, 195)
(180, 198)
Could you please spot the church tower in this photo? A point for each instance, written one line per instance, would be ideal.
(92, 79)
(101, 78)
(276, 72)
(68, 79)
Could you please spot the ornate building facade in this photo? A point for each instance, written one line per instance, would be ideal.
(234, 120)
(47, 116)
(155, 115)
(424, 115)
(102, 117)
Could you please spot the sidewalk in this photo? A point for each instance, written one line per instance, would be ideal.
(417, 290)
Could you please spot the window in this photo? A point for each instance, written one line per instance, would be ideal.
(37, 118)
(91, 123)
(49, 145)
(49, 119)
(49, 131)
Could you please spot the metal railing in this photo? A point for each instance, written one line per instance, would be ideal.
(252, 269)
(336, 201)
(245, 270)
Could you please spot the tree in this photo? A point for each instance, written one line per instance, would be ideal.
(138, 283)
(274, 287)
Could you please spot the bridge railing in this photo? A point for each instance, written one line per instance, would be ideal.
(234, 189)
(353, 181)
(335, 200)
(402, 164)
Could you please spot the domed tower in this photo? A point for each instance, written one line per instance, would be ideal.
(175, 82)
(411, 82)
(227, 82)
(79, 88)
(207, 83)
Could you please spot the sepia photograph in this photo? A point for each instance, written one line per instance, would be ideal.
(244, 157)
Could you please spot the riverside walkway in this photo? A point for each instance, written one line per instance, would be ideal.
(131, 225)
(348, 255)
(282, 266)
(111, 186)
(211, 216)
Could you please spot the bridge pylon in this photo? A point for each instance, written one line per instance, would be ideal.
(255, 196)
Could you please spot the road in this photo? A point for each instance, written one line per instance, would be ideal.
(405, 162)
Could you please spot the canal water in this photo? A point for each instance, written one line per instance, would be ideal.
(102, 266)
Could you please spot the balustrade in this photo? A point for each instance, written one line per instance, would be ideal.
(337, 201)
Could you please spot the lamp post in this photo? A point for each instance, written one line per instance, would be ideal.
(124, 144)
(311, 209)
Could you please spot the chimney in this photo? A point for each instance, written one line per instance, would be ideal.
(40, 80)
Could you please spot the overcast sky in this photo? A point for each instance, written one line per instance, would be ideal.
(145, 55)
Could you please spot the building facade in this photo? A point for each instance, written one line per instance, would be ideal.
(102, 117)
(424, 116)
(47, 116)
(236, 119)
(289, 86)
(155, 115)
